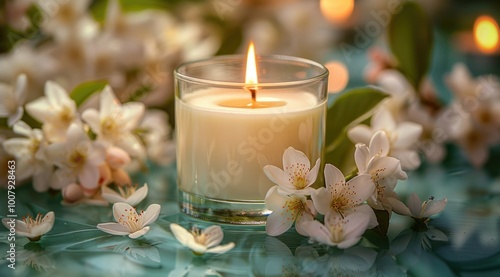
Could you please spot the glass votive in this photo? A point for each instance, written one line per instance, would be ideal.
(224, 140)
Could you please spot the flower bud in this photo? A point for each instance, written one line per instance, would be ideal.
(90, 192)
(72, 193)
(117, 157)
(104, 174)
(121, 178)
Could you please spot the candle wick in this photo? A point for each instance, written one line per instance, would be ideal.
(253, 92)
(254, 95)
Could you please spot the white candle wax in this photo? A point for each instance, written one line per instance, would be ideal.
(222, 150)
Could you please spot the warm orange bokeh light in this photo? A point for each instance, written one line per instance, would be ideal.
(337, 11)
(486, 34)
(251, 71)
(338, 77)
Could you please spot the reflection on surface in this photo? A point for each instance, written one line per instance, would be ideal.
(139, 251)
(33, 256)
(470, 223)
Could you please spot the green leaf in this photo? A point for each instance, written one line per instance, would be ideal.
(84, 90)
(342, 154)
(378, 235)
(350, 107)
(410, 38)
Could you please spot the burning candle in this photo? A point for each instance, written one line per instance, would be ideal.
(229, 129)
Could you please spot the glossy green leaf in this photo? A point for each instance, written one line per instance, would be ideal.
(410, 38)
(84, 90)
(352, 106)
(349, 107)
(341, 154)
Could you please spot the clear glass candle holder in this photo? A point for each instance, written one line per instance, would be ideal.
(224, 139)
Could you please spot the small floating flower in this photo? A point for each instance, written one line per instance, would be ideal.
(32, 228)
(130, 222)
(128, 194)
(202, 241)
(421, 211)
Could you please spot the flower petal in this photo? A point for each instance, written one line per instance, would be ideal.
(280, 221)
(334, 179)
(383, 120)
(22, 128)
(20, 92)
(40, 109)
(434, 207)
(278, 176)
(398, 206)
(108, 102)
(17, 147)
(409, 158)
(139, 233)
(45, 226)
(368, 211)
(122, 210)
(221, 248)
(112, 196)
(294, 157)
(361, 156)
(321, 199)
(214, 235)
(113, 228)
(181, 234)
(379, 144)
(361, 134)
(132, 113)
(318, 232)
(14, 118)
(435, 234)
(415, 205)
(408, 134)
(360, 188)
(138, 195)
(21, 228)
(56, 95)
(274, 200)
(91, 117)
(312, 175)
(151, 214)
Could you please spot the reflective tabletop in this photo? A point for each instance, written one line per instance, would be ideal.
(462, 241)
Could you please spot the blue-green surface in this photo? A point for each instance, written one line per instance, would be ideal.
(74, 247)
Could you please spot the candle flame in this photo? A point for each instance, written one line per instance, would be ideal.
(486, 34)
(251, 71)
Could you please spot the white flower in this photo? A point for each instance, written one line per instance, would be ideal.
(77, 158)
(32, 228)
(129, 221)
(13, 98)
(56, 111)
(421, 210)
(339, 231)
(287, 209)
(37, 64)
(160, 148)
(384, 171)
(127, 194)
(114, 122)
(296, 176)
(60, 17)
(29, 156)
(343, 198)
(402, 137)
(204, 241)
